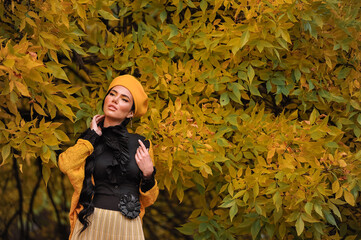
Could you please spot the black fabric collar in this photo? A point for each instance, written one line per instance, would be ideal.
(116, 138)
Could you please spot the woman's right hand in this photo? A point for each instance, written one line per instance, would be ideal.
(94, 124)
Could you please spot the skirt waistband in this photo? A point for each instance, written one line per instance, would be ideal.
(128, 204)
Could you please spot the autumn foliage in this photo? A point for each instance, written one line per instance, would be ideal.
(254, 109)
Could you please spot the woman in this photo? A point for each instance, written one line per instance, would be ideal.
(111, 170)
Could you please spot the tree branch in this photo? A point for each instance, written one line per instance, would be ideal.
(21, 198)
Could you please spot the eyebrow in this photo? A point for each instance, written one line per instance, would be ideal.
(123, 95)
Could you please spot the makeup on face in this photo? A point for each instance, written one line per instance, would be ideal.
(118, 104)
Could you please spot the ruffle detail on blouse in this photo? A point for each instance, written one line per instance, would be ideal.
(116, 138)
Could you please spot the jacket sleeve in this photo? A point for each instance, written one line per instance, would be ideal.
(72, 161)
(149, 197)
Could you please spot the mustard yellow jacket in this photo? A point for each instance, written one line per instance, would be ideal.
(72, 163)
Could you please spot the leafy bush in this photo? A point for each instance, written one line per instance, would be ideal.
(254, 105)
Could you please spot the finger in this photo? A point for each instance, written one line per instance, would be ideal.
(145, 156)
(94, 119)
(142, 145)
(93, 122)
(98, 119)
(143, 151)
(138, 155)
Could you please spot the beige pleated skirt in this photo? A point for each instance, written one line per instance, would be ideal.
(109, 225)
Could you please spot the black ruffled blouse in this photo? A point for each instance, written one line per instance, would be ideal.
(116, 174)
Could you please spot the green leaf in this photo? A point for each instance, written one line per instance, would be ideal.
(57, 71)
(313, 116)
(300, 225)
(188, 228)
(344, 73)
(173, 31)
(329, 217)
(332, 145)
(224, 99)
(257, 63)
(277, 200)
(233, 211)
(5, 152)
(46, 174)
(359, 118)
(93, 49)
(254, 91)
(244, 38)
(318, 209)
(256, 227)
(235, 87)
(107, 15)
(163, 15)
(308, 208)
(277, 215)
(250, 74)
(202, 227)
(203, 5)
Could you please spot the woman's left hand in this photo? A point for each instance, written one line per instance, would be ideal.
(144, 160)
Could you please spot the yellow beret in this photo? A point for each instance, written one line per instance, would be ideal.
(140, 98)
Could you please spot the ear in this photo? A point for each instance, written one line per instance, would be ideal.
(130, 114)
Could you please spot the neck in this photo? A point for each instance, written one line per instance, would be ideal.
(108, 122)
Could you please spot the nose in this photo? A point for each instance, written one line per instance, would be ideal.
(115, 100)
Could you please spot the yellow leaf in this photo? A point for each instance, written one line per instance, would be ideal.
(61, 135)
(206, 170)
(22, 24)
(339, 193)
(34, 75)
(177, 104)
(180, 194)
(30, 22)
(5, 152)
(286, 36)
(255, 190)
(335, 186)
(65, 20)
(33, 15)
(342, 163)
(224, 187)
(349, 197)
(230, 189)
(308, 218)
(54, 55)
(22, 89)
(282, 230)
(232, 171)
(39, 109)
(270, 154)
(51, 140)
(196, 162)
(9, 63)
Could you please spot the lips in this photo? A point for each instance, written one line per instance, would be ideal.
(112, 107)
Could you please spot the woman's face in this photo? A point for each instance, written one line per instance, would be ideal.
(118, 104)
